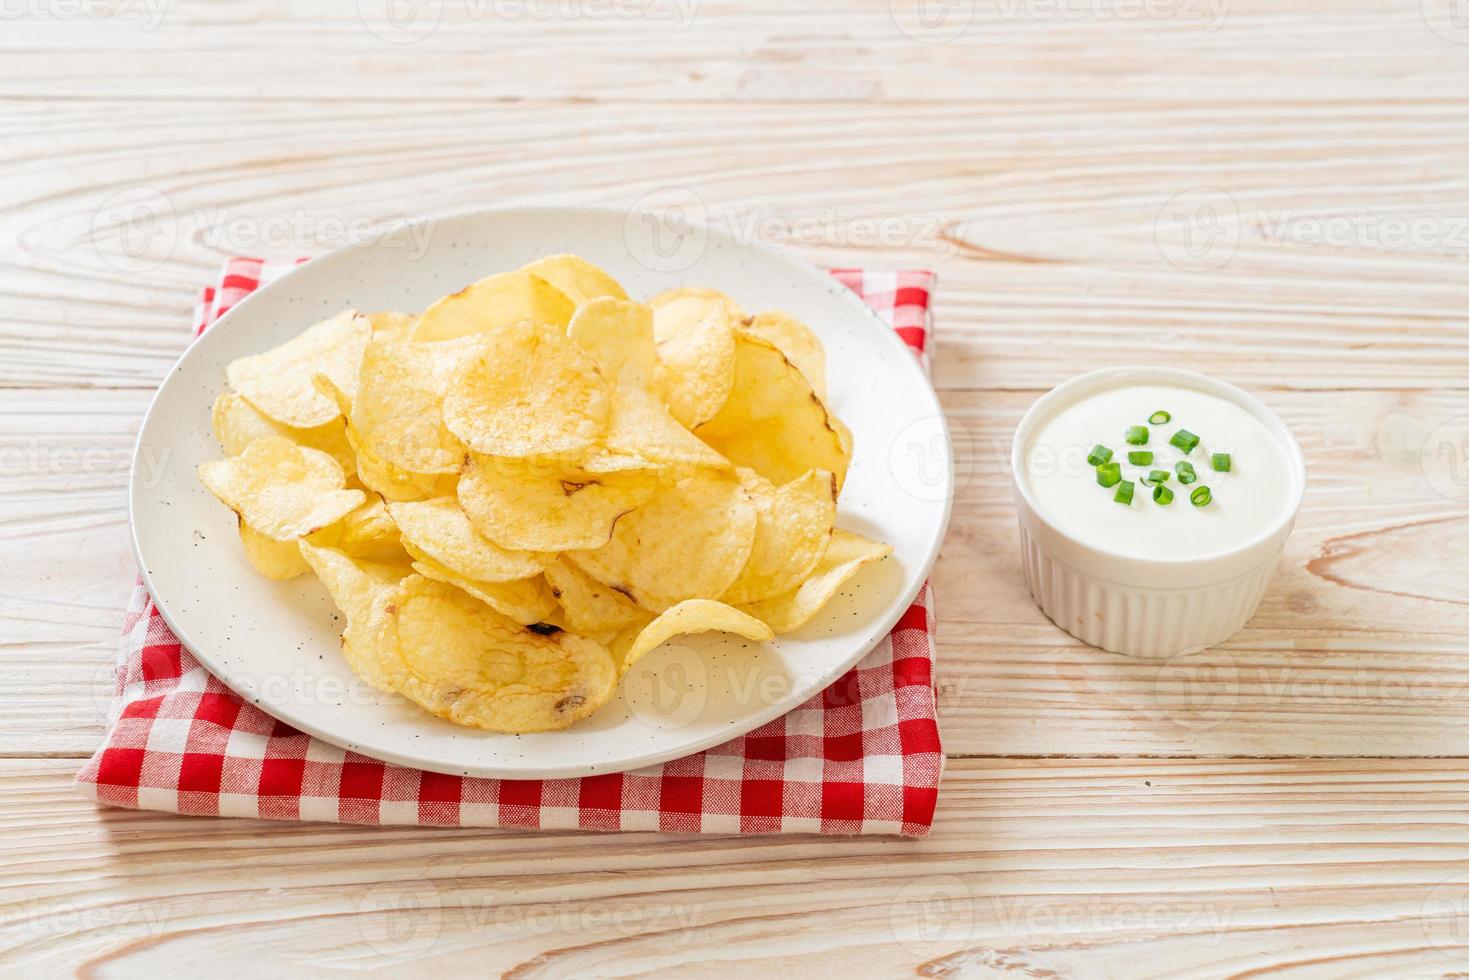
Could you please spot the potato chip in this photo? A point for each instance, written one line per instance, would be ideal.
(278, 382)
(468, 664)
(494, 302)
(773, 422)
(367, 533)
(237, 423)
(844, 557)
(395, 483)
(528, 505)
(439, 530)
(618, 334)
(364, 593)
(792, 529)
(276, 560)
(389, 326)
(641, 426)
(577, 278)
(397, 414)
(532, 392)
(527, 601)
(678, 310)
(689, 541)
(589, 606)
(796, 342)
(281, 489)
(689, 616)
(695, 371)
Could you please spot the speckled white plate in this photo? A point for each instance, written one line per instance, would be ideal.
(276, 643)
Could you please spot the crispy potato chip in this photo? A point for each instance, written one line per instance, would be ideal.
(846, 554)
(390, 326)
(526, 601)
(468, 664)
(641, 426)
(618, 334)
(689, 616)
(237, 423)
(689, 541)
(494, 302)
(397, 413)
(367, 533)
(695, 371)
(773, 422)
(577, 278)
(796, 342)
(793, 527)
(678, 310)
(280, 489)
(277, 560)
(278, 382)
(395, 483)
(590, 607)
(532, 392)
(528, 505)
(439, 530)
(364, 593)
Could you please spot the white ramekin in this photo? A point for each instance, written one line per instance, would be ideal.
(1146, 607)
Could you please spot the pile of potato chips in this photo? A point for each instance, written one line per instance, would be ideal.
(517, 494)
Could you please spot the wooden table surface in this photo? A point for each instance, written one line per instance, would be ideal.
(1275, 193)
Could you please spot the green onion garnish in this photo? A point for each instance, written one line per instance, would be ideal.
(1140, 457)
(1160, 418)
(1099, 455)
(1186, 474)
(1109, 474)
(1221, 462)
(1184, 440)
(1162, 495)
(1156, 477)
(1200, 497)
(1124, 493)
(1137, 435)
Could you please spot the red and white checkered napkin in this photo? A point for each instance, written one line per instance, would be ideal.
(862, 757)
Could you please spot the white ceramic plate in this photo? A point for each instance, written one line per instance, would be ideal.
(276, 643)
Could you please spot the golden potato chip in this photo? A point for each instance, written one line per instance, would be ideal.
(394, 482)
(439, 530)
(367, 533)
(390, 326)
(527, 601)
(773, 422)
(397, 414)
(494, 302)
(278, 382)
(577, 278)
(641, 426)
(695, 371)
(529, 505)
(468, 664)
(689, 616)
(277, 560)
(281, 489)
(689, 541)
(618, 334)
(364, 593)
(589, 606)
(532, 392)
(796, 342)
(237, 423)
(678, 310)
(793, 526)
(846, 554)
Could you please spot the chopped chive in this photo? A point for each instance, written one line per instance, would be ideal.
(1137, 435)
(1156, 477)
(1184, 440)
(1162, 495)
(1099, 455)
(1200, 497)
(1109, 474)
(1186, 474)
(1124, 493)
(1140, 457)
(1221, 462)
(1160, 418)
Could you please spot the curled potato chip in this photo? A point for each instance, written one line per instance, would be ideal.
(577, 278)
(237, 423)
(792, 529)
(278, 382)
(678, 310)
(494, 302)
(531, 392)
(529, 505)
(277, 560)
(390, 326)
(526, 601)
(796, 342)
(689, 541)
(367, 533)
(468, 664)
(695, 371)
(618, 334)
(364, 593)
(281, 489)
(439, 530)
(773, 422)
(846, 554)
(641, 426)
(397, 413)
(589, 606)
(689, 616)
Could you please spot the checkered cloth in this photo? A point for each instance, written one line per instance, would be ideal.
(862, 757)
